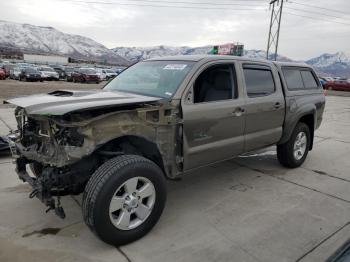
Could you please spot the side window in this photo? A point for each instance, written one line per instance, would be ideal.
(308, 79)
(258, 80)
(293, 78)
(214, 84)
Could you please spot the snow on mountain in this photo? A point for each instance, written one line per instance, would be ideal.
(337, 64)
(135, 54)
(39, 39)
(326, 60)
(327, 64)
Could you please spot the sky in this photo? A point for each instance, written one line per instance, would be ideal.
(309, 27)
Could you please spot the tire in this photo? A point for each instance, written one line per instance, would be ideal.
(286, 153)
(105, 183)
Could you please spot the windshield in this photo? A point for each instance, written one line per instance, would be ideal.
(47, 69)
(87, 71)
(109, 71)
(153, 78)
(31, 70)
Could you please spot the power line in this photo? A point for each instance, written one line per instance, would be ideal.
(319, 19)
(319, 7)
(162, 6)
(318, 13)
(198, 3)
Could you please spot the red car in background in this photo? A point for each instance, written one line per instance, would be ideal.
(85, 75)
(2, 74)
(338, 85)
(7, 68)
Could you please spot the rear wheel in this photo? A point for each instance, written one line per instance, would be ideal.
(293, 153)
(124, 199)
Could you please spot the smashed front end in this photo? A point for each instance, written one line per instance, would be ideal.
(63, 151)
(56, 156)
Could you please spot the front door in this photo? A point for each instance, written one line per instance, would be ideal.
(213, 117)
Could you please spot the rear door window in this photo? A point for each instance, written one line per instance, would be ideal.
(258, 80)
(293, 78)
(308, 79)
(299, 78)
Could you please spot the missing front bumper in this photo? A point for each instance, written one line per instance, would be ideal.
(42, 192)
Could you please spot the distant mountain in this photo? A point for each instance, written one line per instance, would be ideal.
(135, 54)
(337, 64)
(48, 40)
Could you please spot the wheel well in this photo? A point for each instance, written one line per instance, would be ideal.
(133, 145)
(309, 120)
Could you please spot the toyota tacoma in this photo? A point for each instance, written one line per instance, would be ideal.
(159, 119)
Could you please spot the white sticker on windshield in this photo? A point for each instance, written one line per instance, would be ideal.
(168, 93)
(175, 67)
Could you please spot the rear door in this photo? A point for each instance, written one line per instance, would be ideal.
(265, 105)
(213, 114)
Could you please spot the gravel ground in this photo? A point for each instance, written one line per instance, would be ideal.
(12, 88)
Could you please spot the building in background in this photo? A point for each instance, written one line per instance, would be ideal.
(45, 59)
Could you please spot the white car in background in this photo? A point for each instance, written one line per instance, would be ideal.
(15, 72)
(47, 73)
(109, 73)
(100, 74)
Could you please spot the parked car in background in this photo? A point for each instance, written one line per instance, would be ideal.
(118, 70)
(2, 74)
(23, 65)
(323, 81)
(68, 72)
(101, 74)
(109, 73)
(85, 75)
(7, 69)
(47, 73)
(15, 73)
(328, 78)
(30, 74)
(60, 71)
(4, 145)
(338, 85)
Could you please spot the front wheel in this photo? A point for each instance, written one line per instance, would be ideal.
(293, 153)
(124, 199)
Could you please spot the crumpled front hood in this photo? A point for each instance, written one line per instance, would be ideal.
(61, 102)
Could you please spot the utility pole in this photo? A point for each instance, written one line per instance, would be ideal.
(275, 25)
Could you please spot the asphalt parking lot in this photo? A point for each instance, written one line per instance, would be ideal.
(246, 209)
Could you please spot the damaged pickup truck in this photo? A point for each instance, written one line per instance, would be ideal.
(159, 119)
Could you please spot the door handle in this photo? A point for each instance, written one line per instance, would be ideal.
(238, 111)
(277, 105)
